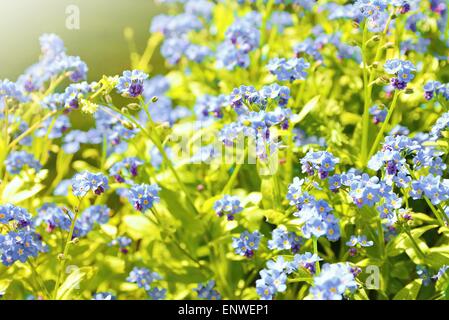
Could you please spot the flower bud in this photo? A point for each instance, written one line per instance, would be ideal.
(128, 125)
(154, 99)
(134, 106)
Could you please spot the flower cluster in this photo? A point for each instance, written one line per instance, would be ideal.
(54, 217)
(228, 206)
(242, 37)
(144, 279)
(322, 162)
(284, 240)
(247, 243)
(436, 89)
(334, 282)
(87, 181)
(10, 90)
(288, 70)
(207, 291)
(143, 196)
(402, 70)
(130, 84)
(54, 62)
(122, 242)
(21, 241)
(18, 160)
(379, 114)
(125, 168)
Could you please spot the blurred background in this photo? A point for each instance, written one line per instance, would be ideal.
(99, 41)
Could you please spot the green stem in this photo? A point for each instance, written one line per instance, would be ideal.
(439, 214)
(435, 211)
(160, 148)
(384, 125)
(66, 250)
(415, 245)
(381, 238)
(31, 129)
(232, 179)
(6, 120)
(367, 100)
(367, 81)
(38, 278)
(315, 251)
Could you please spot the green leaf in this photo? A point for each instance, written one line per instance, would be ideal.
(361, 295)
(403, 242)
(410, 291)
(13, 194)
(274, 217)
(442, 283)
(4, 284)
(72, 282)
(306, 110)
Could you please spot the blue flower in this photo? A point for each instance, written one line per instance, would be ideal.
(403, 71)
(334, 281)
(207, 291)
(441, 272)
(157, 293)
(280, 20)
(57, 217)
(19, 246)
(334, 182)
(247, 243)
(379, 114)
(242, 37)
(284, 240)
(321, 161)
(424, 274)
(103, 296)
(288, 70)
(441, 125)
(432, 187)
(122, 242)
(10, 90)
(359, 241)
(143, 277)
(125, 168)
(86, 181)
(17, 160)
(143, 196)
(58, 127)
(131, 83)
(307, 261)
(177, 25)
(270, 283)
(21, 241)
(228, 205)
(11, 213)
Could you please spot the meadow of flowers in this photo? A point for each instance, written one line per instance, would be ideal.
(294, 149)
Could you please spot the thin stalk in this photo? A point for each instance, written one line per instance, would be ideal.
(31, 129)
(6, 121)
(232, 179)
(315, 251)
(415, 245)
(367, 100)
(381, 238)
(66, 250)
(384, 125)
(160, 148)
(38, 278)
